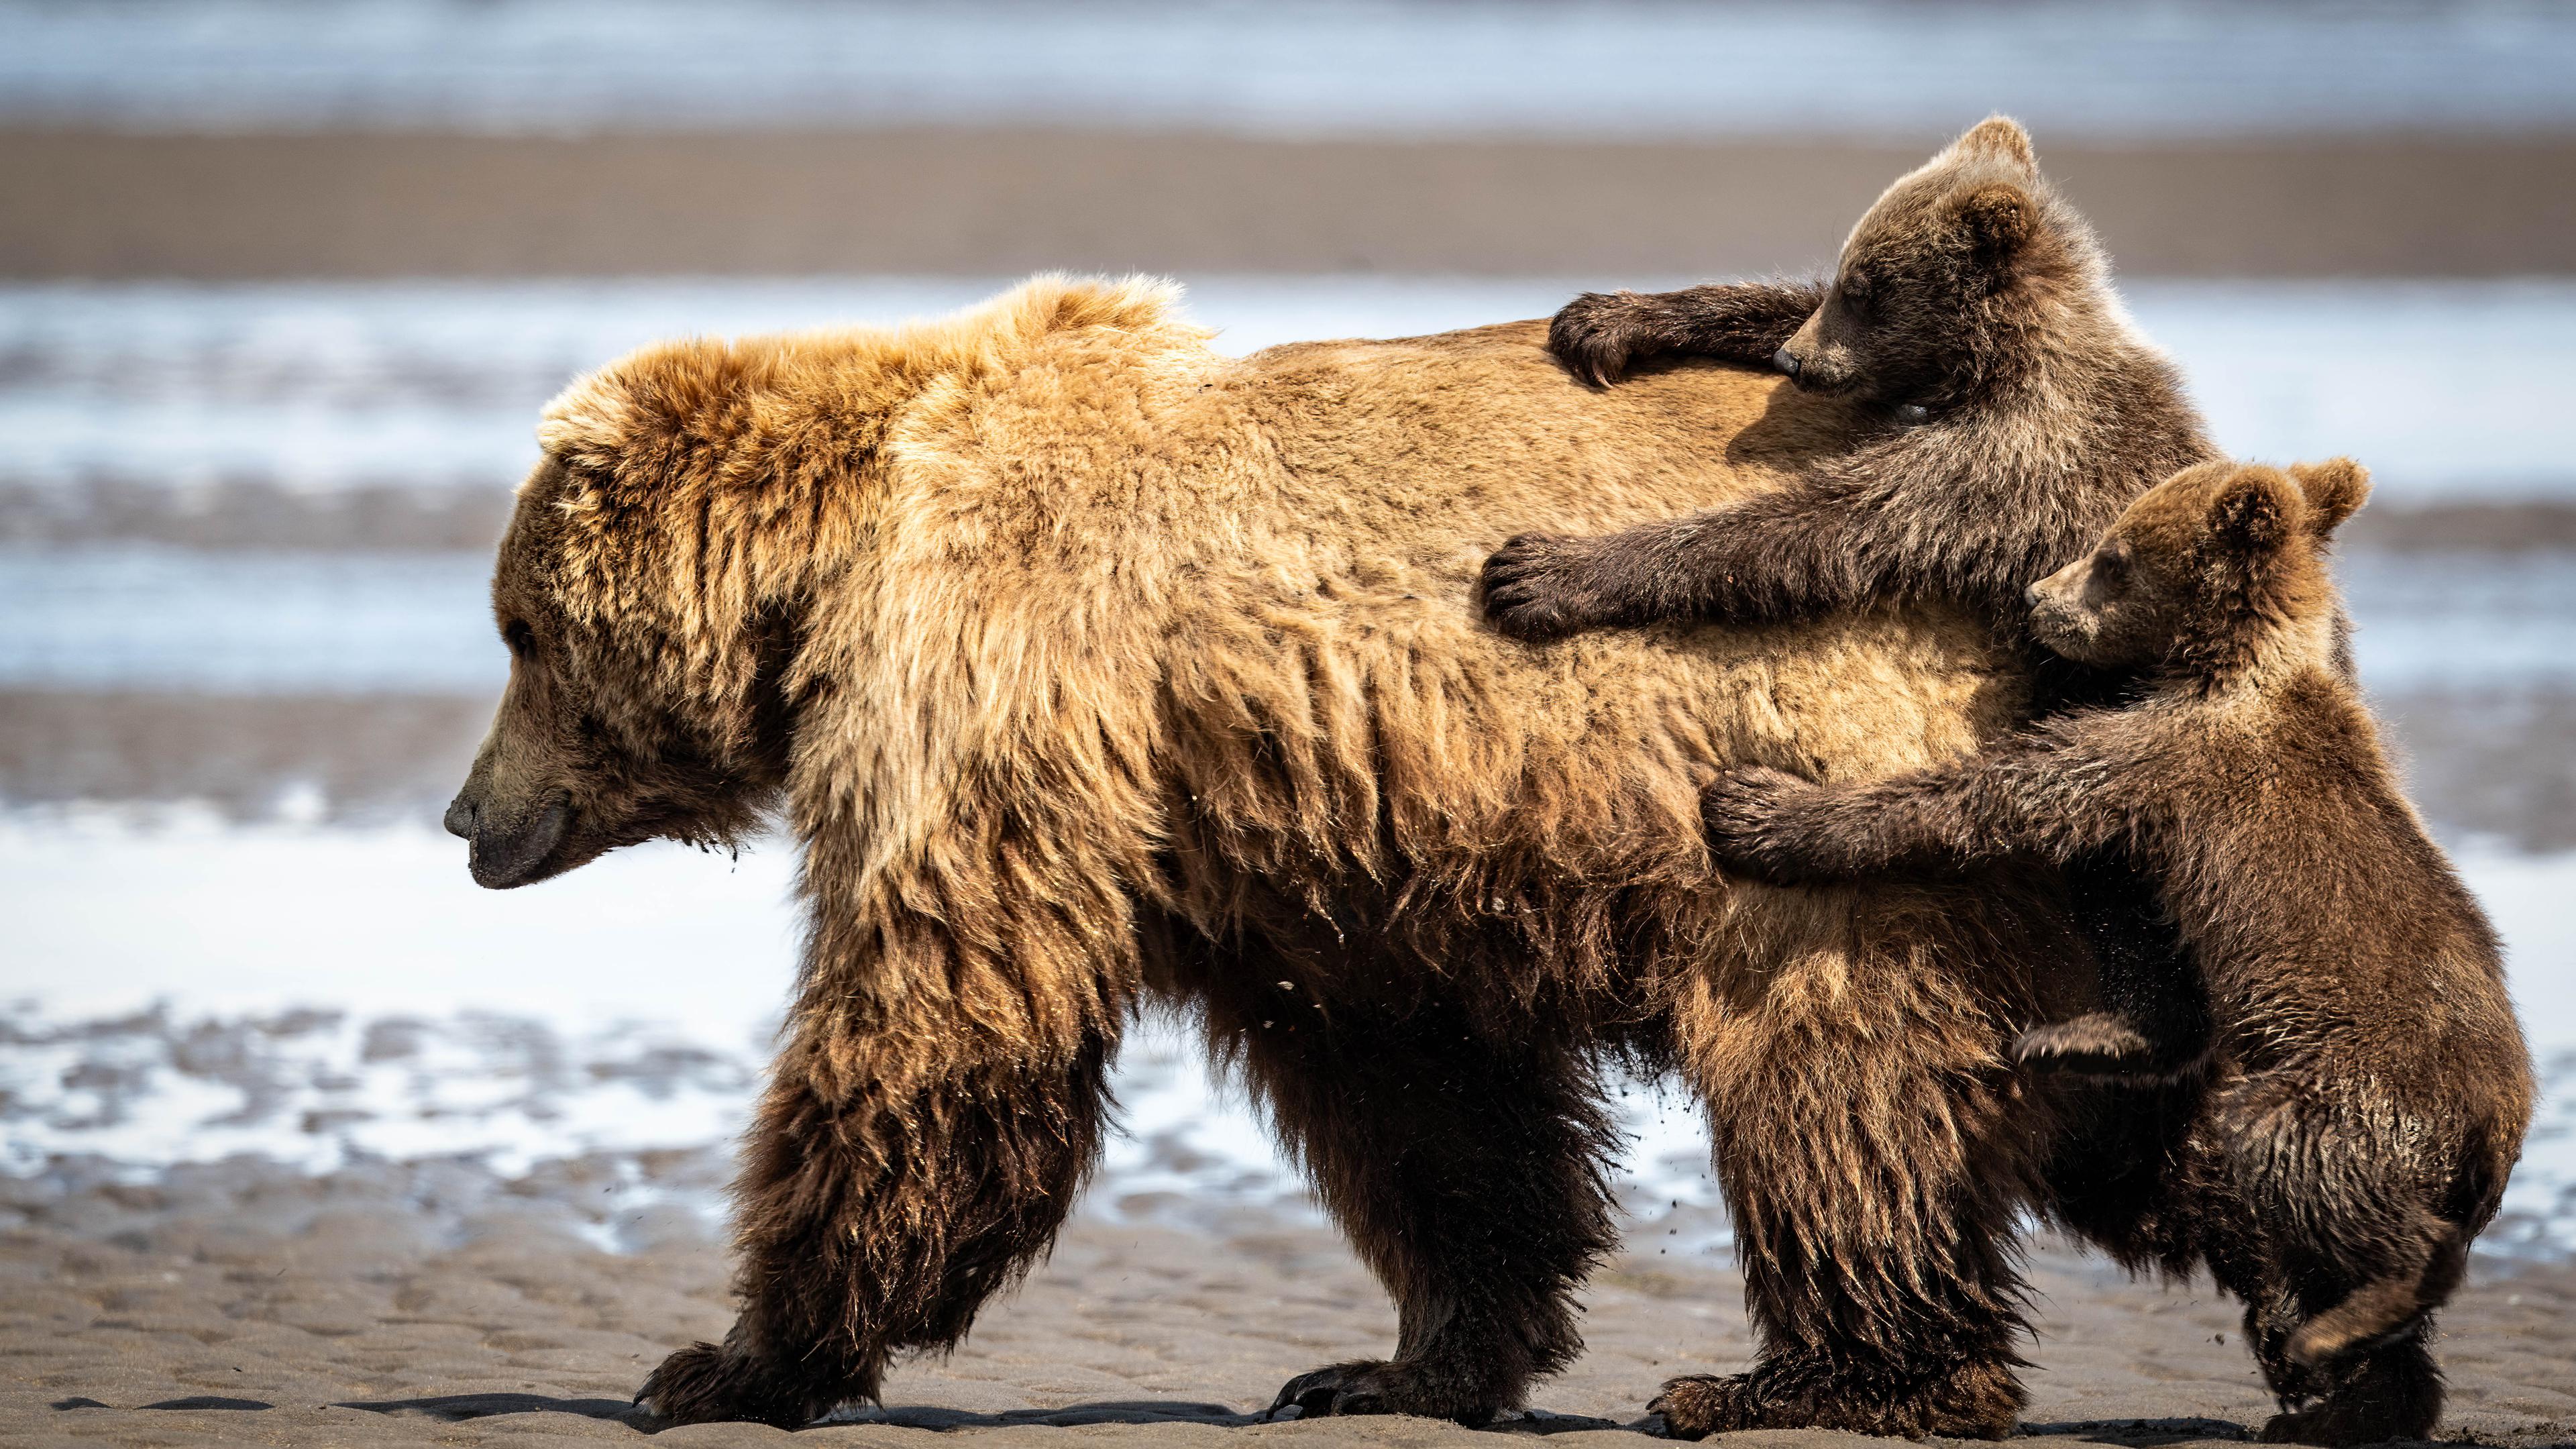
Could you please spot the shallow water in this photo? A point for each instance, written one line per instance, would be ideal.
(2172, 67)
(334, 386)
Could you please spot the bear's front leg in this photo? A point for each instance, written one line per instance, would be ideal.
(885, 1194)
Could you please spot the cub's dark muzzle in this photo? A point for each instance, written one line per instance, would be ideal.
(1787, 362)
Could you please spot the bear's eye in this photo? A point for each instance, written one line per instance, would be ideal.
(1859, 290)
(2111, 565)
(520, 638)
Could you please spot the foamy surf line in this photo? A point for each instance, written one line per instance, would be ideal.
(343, 1001)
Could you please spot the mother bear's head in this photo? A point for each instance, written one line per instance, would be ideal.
(662, 568)
(650, 589)
(630, 715)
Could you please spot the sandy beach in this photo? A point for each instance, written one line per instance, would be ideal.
(105, 204)
(234, 1304)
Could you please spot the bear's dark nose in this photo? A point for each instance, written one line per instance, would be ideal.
(461, 818)
(2030, 596)
(1787, 362)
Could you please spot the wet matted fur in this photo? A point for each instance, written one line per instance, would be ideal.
(1090, 666)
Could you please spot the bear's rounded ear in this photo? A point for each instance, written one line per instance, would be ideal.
(1998, 219)
(1998, 138)
(2336, 489)
(2252, 511)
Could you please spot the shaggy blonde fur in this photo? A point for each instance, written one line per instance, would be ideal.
(1092, 665)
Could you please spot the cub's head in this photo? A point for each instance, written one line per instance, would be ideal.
(1944, 274)
(2214, 567)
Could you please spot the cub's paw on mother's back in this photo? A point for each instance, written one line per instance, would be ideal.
(1741, 812)
(1596, 335)
(1539, 586)
(1370, 1386)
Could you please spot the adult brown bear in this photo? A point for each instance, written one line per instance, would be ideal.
(1090, 665)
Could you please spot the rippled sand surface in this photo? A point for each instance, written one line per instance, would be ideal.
(234, 1303)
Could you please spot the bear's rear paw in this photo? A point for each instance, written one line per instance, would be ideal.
(702, 1384)
(2329, 1424)
(1701, 1405)
(1372, 1387)
(1970, 1401)
(2095, 1045)
(2391, 1392)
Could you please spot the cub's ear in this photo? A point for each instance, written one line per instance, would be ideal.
(2252, 512)
(1998, 219)
(1998, 138)
(2336, 489)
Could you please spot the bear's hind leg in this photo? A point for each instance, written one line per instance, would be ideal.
(1469, 1174)
(1874, 1158)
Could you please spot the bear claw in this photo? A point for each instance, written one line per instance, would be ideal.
(1369, 1386)
(1538, 588)
(702, 1384)
(1700, 1405)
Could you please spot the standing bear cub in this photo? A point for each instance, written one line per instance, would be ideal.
(2371, 1085)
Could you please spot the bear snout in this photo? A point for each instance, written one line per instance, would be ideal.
(1787, 362)
(500, 855)
(462, 813)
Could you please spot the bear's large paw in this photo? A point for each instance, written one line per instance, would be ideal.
(1972, 1401)
(2393, 1391)
(1539, 587)
(702, 1384)
(1703, 1404)
(2335, 1424)
(1373, 1387)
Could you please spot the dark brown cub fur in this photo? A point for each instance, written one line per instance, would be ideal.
(2371, 1086)
(2019, 413)
(2022, 413)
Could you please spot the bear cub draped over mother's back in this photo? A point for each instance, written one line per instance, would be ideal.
(2019, 411)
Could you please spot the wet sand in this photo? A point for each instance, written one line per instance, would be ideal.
(235, 1303)
(109, 203)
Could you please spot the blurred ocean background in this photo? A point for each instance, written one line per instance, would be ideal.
(283, 285)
